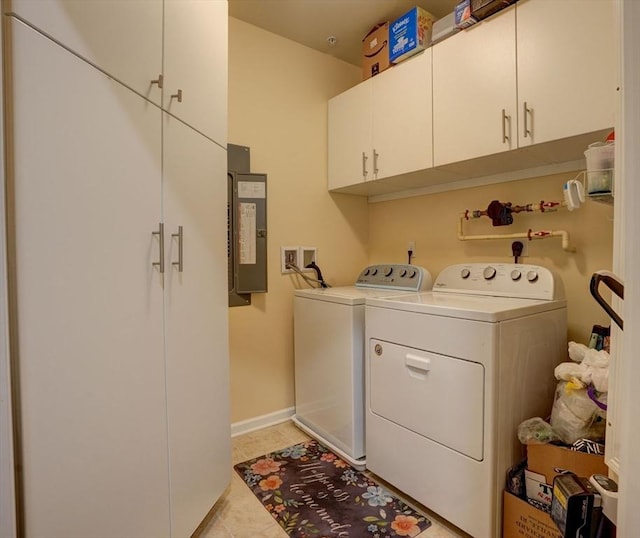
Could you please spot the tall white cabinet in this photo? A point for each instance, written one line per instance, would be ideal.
(119, 333)
(196, 328)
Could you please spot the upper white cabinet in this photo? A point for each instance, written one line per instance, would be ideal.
(349, 144)
(566, 72)
(402, 135)
(382, 127)
(521, 89)
(172, 52)
(123, 40)
(474, 91)
(524, 77)
(195, 65)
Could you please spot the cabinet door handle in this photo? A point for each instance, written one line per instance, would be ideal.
(158, 81)
(526, 112)
(505, 119)
(364, 165)
(177, 96)
(160, 234)
(375, 162)
(179, 236)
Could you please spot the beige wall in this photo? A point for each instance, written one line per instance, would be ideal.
(431, 222)
(278, 92)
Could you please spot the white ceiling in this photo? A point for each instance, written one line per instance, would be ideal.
(310, 22)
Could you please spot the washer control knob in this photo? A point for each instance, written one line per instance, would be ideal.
(403, 273)
(388, 271)
(489, 272)
(516, 275)
(374, 271)
(412, 273)
(465, 273)
(532, 276)
(367, 271)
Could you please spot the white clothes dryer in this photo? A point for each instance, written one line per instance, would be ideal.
(450, 375)
(329, 350)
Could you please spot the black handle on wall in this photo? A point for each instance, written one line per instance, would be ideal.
(615, 285)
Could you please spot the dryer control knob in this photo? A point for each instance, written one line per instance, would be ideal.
(516, 275)
(489, 272)
(388, 271)
(465, 273)
(532, 276)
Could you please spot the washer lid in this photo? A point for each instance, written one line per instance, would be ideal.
(349, 295)
(473, 307)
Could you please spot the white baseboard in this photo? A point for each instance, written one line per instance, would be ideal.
(263, 421)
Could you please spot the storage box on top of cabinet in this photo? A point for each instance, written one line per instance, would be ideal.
(443, 28)
(375, 51)
(481, 9)
(462, 17)
(410, 34)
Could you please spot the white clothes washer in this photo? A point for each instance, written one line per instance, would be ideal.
(450, 375)
(329, 350)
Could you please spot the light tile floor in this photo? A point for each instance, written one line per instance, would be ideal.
(239, 514)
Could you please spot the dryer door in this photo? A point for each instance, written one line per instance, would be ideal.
(433, 395)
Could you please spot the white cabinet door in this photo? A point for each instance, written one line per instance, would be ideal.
(382, 127)
(128, 41)
(196, 332)
(89, 303)
(124, 39)
(402, 117)
(195, 62)
(350, 131)
(566, 72)
(474, 81)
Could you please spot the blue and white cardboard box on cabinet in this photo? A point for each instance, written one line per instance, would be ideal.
(410, 34)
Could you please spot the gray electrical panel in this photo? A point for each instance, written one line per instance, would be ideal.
(247, 227)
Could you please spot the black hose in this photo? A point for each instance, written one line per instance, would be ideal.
(313, 266)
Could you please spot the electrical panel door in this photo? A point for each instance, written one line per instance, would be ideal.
(247, 207)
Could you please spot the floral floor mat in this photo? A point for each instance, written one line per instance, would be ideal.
(312, 493)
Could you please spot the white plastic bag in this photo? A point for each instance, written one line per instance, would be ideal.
(575, 415)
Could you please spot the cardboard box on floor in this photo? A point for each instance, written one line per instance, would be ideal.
(522, 520)
(551, 460)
